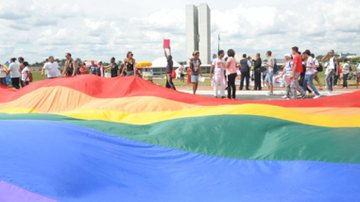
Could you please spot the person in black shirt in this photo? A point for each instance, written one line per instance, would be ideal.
(70, 66)
(169, 71)
(257, 72)
(114, 68)
(129, 65)
(245, 66)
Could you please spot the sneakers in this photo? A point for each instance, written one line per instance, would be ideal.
(303, 96)
(317, 96)
(285, 97)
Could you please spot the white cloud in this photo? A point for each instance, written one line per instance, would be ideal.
(93, 29)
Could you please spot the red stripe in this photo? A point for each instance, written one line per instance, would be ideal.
(131, 86)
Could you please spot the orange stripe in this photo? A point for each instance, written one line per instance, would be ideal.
(46, 100)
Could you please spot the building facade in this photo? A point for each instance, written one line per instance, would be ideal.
(198, 31)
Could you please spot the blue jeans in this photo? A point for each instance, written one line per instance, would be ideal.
(309, 79)
(330, 80)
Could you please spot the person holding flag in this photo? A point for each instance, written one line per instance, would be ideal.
(169, 66)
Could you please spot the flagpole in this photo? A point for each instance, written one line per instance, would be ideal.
(218, 42)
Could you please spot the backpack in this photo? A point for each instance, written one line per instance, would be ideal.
(30, 77)
(320, 68)
(276, 67)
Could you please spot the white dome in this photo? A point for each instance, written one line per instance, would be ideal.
(162, 63)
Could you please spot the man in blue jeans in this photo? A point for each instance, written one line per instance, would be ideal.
(331, 70)
(310, 73)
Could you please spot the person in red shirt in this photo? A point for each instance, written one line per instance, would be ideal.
(295, 75)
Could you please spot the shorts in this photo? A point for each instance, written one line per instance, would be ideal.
(269, 78)
(130, 73)
(194, 78)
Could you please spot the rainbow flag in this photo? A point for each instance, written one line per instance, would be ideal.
(125, 139)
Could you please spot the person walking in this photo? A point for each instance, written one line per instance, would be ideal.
(217, 74)
(129, 65)
(318, 68)
(25, 74)
(286, 73)
(331, 70)
(231, 72)
(269, 78)
(257, 72)
(310, 73)
(346, 72)
(14, 73)
(52, 68)
(297, 68)
(195, 66)
(70, 66)
(245, 66)
(357, 75)
(169, 70)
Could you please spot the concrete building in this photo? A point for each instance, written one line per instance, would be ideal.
(198, 31)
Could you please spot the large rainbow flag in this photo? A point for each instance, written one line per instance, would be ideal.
(124, 139)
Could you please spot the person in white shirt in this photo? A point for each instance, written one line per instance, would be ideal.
(317, 66)
(3, 74)
(217, 69)
(52, 68)
(331, 71)
(14, 73)
(181, 71)
(269, 79)
(346, 72)
(310, 73)
(25, 75)
(286, 73)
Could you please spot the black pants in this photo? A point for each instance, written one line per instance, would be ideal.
(3, 81)
(169, 83)
(15, 82)
(245, 76)
(24, 83)
(232, 86)
(336, 79)
(257, 81)
(345, 80)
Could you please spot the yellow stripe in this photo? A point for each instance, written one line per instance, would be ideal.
(148, 110)
(293, 115)
(46, 100)
(288, 114)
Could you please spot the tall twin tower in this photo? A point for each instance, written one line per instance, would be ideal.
(198, 31)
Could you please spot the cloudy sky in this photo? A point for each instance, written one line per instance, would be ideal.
(101, 29)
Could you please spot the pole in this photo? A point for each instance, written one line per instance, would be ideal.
(218, 42)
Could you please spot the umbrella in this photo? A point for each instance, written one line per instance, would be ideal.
(143, 64)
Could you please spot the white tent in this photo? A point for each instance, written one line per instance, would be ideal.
(162, 63)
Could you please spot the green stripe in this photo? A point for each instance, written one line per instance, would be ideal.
(241, 137)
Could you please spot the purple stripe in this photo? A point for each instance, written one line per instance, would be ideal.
(11, 193)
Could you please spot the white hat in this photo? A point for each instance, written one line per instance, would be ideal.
(287, 55)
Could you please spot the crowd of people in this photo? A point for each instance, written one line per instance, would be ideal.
(298, 72)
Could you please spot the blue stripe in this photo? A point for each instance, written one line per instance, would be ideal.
(72, 163)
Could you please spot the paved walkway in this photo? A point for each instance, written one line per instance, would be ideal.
(262, 95)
